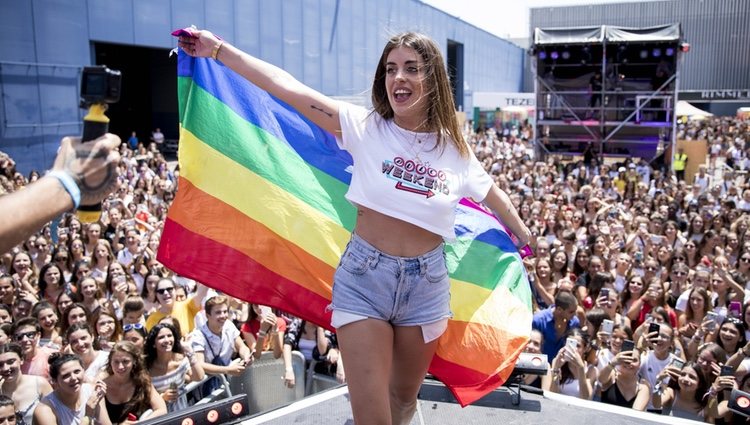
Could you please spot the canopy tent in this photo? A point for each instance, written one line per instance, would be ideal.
(606, 33)
(684, 108)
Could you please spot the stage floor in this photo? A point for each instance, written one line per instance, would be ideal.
(437, 406)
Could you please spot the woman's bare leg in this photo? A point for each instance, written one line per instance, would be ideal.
(411, 358)
(366, 347)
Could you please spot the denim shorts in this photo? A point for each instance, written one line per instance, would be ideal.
(404, 291)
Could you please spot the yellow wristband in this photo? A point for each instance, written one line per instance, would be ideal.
(215, 50)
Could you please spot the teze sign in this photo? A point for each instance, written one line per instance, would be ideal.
(714, 95)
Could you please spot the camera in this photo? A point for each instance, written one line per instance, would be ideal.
(100, 84)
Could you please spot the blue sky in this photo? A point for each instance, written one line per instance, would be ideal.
(507, 18)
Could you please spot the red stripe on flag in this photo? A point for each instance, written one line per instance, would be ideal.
(228, 270)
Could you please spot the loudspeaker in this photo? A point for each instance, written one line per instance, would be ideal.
(739, 402)
(531, 364)
(229, 410)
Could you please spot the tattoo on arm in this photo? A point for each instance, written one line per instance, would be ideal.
(318, 108)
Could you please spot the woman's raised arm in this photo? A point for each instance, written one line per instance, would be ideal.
(318, 108)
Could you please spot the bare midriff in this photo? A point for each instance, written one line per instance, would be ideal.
(393, 236)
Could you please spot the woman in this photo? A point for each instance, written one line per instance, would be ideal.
(569, 373)
(73, 314)
(61, 257)
(685, 398)
(91, 239)
(731, 336)
(310, 340)
(559, 265)
(91, 295)
(264, 331)
(171, 365)
(80, 337)
(72, 398)
(653, 297)
(414, 117)
(62, 303)
(543, 287)
(699, 303)
(107, 329)
(136, 334)
(672, 235)
(621, 384)
(25, 390)
(691, 251)
(46, 314)
(581, 263)
(129, 389)
(51, 283)
(696, 229)
(101, 259)
(77, 250)
(633, 291)
(149, 290)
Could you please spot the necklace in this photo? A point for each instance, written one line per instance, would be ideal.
(417, 145)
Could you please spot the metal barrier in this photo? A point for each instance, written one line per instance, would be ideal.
(263, 382)
(317, 382)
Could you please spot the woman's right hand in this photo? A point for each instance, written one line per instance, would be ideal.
(100, 389)
(170, 395)
(289, 378)
(199, 44)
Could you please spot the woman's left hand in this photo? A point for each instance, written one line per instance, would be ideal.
(199, 45)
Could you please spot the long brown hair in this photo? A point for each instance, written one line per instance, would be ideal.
(140, 402)
(441, 112)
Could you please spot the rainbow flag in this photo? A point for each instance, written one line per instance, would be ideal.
(260, 214)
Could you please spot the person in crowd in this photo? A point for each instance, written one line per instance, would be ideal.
(264, 331)
(91, 295)
(683, 398)
(136, 334)
(556, 321)
(26, 332)
(620, 382)
(8, 413)
(569, 372)
(25, 390)
(534, 346)
(46, 315)
(72, 398)
(73, 314)
(315, 344)
(80, 338)
(218, 341)
(107, 329)
(183, 311)
(410, 72)
(171, 364)
(129, 390)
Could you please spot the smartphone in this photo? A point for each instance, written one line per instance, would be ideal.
(714, 318)
(677, 362)
(604, 293)
(654, 327)
(655, 239)
(735, 309)
(628, 345)
(608, 326)
(572, 343)
(726, 371)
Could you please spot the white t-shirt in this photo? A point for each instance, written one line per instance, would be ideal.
(401, 174)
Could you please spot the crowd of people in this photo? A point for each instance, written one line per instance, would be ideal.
(639, 288)
(640, 281)
(92, 326)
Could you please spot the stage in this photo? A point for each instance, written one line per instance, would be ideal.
(437, 406)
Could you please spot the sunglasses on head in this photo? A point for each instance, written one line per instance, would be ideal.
(131, 326)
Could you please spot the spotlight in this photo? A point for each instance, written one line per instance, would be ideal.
(685, 47)
(656, 53)
(670, 51)
(644, 54)
(555, 55)
(542, 55)
(566, 55)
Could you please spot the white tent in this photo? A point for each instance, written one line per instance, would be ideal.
(685, 109)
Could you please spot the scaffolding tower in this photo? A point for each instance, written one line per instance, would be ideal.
(606, 90)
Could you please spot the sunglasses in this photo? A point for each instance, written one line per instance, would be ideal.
(676, 273)
(131, 326)
(745, 259)
(22, 336)
(165, 290)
